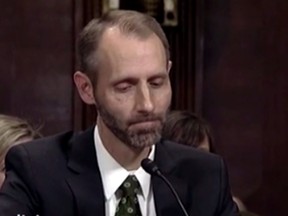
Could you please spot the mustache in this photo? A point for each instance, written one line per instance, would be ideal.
(141, 119)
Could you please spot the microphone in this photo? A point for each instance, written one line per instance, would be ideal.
(150, 167)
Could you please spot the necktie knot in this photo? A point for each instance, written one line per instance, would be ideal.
(130, 186)
(128, 203)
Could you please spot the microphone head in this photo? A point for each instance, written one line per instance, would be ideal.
(150, 167)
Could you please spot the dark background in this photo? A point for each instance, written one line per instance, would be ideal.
(230, 65)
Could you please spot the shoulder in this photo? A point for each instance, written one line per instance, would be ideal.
(32, 158)
(43, 146)
(49, 152)
(182, 152)
(204, 173)
(182, 157)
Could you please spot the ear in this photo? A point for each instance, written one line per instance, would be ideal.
(84, 87)
(169, 66)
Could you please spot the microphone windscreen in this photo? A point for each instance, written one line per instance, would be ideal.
(149, 166)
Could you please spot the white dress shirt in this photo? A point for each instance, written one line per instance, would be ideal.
(113, 175)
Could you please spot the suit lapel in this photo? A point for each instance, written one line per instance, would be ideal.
(165, 202)
(84, 177)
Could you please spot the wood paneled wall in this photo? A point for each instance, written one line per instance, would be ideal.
(245, 96)
(182, 47)
(36, 62)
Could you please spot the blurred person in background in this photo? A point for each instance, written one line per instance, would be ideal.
(187, 128)
(13, 131)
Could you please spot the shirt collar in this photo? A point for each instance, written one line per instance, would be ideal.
(113, 174)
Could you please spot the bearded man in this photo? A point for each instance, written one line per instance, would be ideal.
(125, 64)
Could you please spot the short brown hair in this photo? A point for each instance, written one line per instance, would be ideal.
(187, 128)
(129, 22)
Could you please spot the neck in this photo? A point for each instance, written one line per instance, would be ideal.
(128, 157)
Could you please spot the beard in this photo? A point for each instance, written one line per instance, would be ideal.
(128, 133)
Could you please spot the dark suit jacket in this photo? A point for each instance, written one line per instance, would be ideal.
(59, 176)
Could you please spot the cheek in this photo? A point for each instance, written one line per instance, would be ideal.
(117, 106)
(2, 177)
(163, 100)
(119, 102)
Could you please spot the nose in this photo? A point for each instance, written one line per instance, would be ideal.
(144, 103)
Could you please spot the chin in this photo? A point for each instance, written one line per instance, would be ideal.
(144, 140)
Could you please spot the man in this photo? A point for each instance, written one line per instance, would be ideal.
(125, 67)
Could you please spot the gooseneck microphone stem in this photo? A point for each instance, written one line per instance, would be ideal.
(174, 193)
(150, 167)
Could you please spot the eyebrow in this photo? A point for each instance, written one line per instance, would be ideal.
(125, 80)
(161, 76)
(132, 80)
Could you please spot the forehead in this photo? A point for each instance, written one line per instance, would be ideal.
(127, 53)
(128, 45)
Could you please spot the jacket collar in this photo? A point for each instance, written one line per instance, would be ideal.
(84, 177)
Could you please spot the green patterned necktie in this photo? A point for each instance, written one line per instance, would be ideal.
(128, 204)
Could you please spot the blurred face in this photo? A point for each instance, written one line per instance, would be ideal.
(205, 145)
(2, 158)
(2, 170)
(133, 90)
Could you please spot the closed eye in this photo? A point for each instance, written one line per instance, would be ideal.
(157, 82)
(123, 87)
